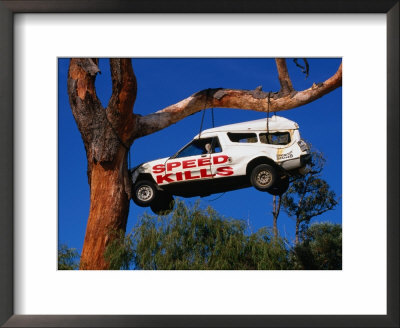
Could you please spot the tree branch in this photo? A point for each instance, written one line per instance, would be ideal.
(303, 194)
(322, 211)
(256, 100)
(120, 107)
(283, 75)
(103, 131)
(82, 92)
(124, 85)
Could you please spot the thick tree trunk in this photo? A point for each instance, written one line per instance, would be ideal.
(107, 134)
(109, 207)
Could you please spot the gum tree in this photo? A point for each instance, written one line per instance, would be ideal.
(276, 208)
(108, 134)
(320, 248)
(309, 195)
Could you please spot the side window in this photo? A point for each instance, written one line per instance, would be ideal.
(276, 138)
(200, 147)
(216, 146)
(242, 137)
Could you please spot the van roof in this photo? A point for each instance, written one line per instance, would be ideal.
(275, 123)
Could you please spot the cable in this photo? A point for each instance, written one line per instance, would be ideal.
(269, 101)
(212, 200)
(201, 124)
(204, 111)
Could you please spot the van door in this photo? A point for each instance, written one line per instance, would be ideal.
(220, 161)
(232, 161)
(191, 163)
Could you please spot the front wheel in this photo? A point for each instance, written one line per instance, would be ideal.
(144, 193)
(263, 177)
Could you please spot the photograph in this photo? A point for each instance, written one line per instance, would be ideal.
(199, 164)
(223, 163)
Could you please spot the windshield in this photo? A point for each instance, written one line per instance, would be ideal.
(200, 147)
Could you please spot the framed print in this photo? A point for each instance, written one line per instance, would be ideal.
(38, 39)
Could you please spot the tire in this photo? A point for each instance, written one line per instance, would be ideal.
(280, 187)
(144, 193)
(163, 204)
(263, 177)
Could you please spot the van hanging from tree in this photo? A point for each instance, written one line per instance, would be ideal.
(261, 153)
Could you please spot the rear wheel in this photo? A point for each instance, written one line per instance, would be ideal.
(263, 177)
(163, 204)
(144, 193)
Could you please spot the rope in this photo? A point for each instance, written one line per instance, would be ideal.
(204, 111)
(212, 200)
(269, 101)
(212, 117)
(201, 124)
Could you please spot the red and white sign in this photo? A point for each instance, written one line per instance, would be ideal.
(176, 170)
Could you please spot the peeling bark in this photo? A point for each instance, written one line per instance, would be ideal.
(283, 76)
(109, 207)
(107, 134)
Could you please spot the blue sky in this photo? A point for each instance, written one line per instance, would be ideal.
(162, 82)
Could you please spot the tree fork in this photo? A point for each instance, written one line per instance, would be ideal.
(283, 76)
(107, 134)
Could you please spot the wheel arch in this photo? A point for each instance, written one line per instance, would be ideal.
(260, 160)
(145, 176)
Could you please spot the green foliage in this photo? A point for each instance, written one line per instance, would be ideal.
(309, 195)
(119, 252)
(264, 252)
(191, 238)
(68, 258)
(320, 249)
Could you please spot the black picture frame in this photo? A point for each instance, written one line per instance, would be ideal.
(7, 11)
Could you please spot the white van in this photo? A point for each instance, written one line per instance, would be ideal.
(259, 153)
